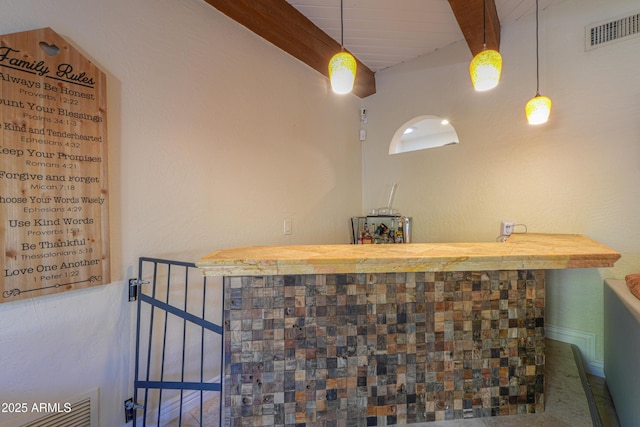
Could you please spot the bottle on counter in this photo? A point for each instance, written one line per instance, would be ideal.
(399, 237)
(367, 239)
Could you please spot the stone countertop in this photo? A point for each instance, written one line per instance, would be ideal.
(519, 252)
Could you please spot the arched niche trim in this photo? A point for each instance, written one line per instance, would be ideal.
(423, 132)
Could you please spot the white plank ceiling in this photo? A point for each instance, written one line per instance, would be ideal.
(383, 33)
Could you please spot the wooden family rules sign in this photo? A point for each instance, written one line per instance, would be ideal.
(53, 167)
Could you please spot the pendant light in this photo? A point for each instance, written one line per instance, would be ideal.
(486, 66)
(342, 66)
(539, 107)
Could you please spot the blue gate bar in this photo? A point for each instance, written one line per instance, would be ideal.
(182, 314)
(179, 385)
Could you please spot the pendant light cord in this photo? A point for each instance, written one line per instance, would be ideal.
(484, 23)
(342, 25)
(537, 54)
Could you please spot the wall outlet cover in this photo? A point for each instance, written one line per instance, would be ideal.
(506, 228)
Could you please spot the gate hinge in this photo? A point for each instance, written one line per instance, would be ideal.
(133, 288)
(130, 409)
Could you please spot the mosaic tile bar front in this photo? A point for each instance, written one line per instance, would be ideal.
(383, 349)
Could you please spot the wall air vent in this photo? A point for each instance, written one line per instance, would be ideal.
(73, 415)
(612, 30)
(78, 411)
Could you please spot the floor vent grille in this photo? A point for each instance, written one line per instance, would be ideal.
(612, 30)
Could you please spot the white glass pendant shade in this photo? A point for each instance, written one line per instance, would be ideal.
(538, 109)
(485, 70)
(342, 72)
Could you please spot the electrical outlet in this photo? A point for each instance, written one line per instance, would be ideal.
(506, 228)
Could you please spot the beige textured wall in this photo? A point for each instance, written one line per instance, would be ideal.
(215, 138)
(579, 173)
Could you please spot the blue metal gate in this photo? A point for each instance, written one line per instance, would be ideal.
(179, 342)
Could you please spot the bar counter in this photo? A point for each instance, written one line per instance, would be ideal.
(375, 335)
(520, 251)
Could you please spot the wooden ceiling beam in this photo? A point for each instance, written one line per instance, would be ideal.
(284, 26)
(469, 15)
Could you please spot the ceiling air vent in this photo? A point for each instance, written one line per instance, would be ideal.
(612, 30)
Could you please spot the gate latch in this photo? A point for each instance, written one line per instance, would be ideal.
(129, 409)
(133, 288)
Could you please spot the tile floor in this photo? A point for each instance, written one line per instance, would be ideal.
(566, 401)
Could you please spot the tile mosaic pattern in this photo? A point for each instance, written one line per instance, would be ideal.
(383, 349)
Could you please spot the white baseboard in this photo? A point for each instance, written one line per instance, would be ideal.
(585, 341)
